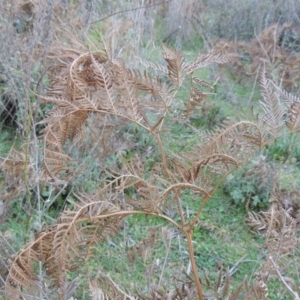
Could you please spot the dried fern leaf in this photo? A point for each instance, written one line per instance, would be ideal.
(202, 83)
(203, 61)
(207, 280)
(90, 82)
(287, 98)
(293, 122)
(73, 241)
(219, 282)
(272, 106)
(197, 96)
(22, 280)
(257, 221)
(155, 66)
(195, 100)
(19, 280)
(142, 205)
(151, 85)
(101, 74)
(223, 150)
(57, 100)
(174, 59)
(68, 289)
(133, 109)
(226, 284)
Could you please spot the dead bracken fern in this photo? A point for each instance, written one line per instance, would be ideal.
(62, 247)
(267, 48)
(280, 228)
(89, 82)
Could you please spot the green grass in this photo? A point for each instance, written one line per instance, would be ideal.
(229, 240)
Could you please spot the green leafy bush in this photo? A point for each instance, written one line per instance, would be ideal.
(251, 184)
(284, 149)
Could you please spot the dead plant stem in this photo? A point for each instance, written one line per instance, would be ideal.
(193, 263)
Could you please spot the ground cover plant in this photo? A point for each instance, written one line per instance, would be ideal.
(116, 188)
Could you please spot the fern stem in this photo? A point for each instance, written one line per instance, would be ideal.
(162, 153)
(180, 207)
(193, 263)
(27, 139)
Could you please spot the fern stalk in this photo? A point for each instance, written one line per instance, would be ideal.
(193, 263)
(27, 143)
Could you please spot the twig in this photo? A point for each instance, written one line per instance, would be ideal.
(165, 262)
(234, 268)
(294, 294)
(130, 9)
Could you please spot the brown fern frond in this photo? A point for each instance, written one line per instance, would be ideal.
(204, 60)
(73, 241)
(197, 96)
(155, 66)
(132, 107)
(68, 289)
(44, 246)
(144, 82)
(293, 114)
(257, 221)
(195, 100)
(81, 84)
(22, 280)
(174, 59)
(226, 284)
(176, 166)
(280, 229)
(55, 160)
(21, 275)
(225, 149)
(272, 106)
(101, 75)
(151, 85)
(287, 98)
(202, 82)
(68, 126)
(130, 104)
(186, 178)
(64, 246)
(219, 283)
(283, 215)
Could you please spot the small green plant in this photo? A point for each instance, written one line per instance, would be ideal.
(284, 149)
(251, 185)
